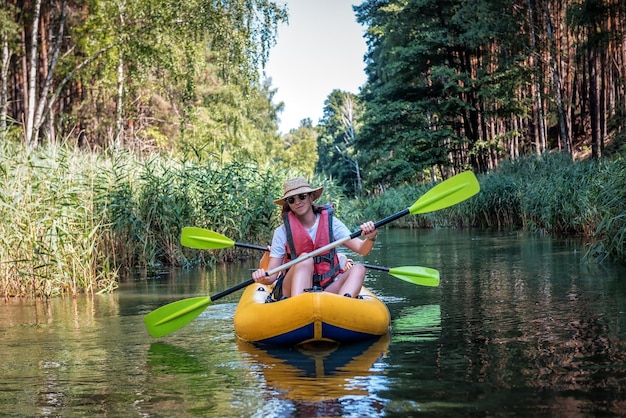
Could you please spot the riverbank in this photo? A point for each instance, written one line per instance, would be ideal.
(540, 195)
(74, 221)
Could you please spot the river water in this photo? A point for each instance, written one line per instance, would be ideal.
(519, 325)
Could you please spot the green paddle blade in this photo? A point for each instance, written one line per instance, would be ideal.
(447, 193)
(204, 239)
(423, 276)
(175, 315)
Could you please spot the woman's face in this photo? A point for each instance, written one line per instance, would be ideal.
(299, 204)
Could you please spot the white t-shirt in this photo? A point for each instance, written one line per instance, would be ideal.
(279, 241)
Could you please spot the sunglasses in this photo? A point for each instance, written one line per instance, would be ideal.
(292, 199)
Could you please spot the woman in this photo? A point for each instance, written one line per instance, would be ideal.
(305, 228)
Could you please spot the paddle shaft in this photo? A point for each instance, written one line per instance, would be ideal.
(285, 266)
(334, 244)
(171, 317)
(357, 233)
(328, 246)
(231, 290)
(385, 221)
(370, 266)
(306, 256)
(251, 246)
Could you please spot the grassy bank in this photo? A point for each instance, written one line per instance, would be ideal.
(73, 221)
(51, 224)
(552, 195)
(547, 195)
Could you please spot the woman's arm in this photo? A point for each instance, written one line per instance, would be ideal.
(364, 246)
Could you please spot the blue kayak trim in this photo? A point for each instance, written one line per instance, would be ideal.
(342, 335)
(307, 333)
(292, 337)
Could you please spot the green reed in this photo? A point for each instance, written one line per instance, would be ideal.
(542, 195)
(49, 223)
(609, 194)
(74, 221)
(155, 198)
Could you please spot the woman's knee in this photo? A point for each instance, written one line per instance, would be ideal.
(306, 265)
(358, 271)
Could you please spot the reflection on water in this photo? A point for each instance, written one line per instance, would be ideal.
(519, 326)
(332, 379)
(522, 316)
(418, 323)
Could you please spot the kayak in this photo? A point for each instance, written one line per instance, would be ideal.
(314, 316)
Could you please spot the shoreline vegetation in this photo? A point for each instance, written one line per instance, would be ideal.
(74, 221)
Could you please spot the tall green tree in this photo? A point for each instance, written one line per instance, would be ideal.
(138, 73)
(435, 77)
(188, 64)
(401, 99)
(338, 127)
(299, 151)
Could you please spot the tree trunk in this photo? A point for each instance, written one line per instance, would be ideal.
(348, 116)
(539, 125)
(5, 59)
(119, 121)
(563, 140)
(31, 140)
(596, 149)
(43, 96)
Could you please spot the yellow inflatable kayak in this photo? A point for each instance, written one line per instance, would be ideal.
(309, 317)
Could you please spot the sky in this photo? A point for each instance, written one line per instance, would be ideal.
(321, 49)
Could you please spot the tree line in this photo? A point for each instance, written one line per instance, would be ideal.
(451, 85)
(120, 121)
(465, 84)
(139, 75)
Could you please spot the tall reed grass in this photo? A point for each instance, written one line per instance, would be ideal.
(543, 195)
(74, 221)
(609, 192)
(151, 200)
(50, 223)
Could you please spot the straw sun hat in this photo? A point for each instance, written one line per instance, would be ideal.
(296, 186)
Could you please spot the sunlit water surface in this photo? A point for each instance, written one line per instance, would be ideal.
(520, 325)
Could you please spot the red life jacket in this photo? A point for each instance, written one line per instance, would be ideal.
(326, 265)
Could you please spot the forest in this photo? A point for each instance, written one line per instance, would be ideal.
(121, 121)
(466, 84)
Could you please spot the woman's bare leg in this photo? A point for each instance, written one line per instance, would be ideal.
(349, 282)
(298, 278)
